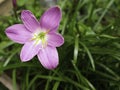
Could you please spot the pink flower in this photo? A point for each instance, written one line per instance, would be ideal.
(39, 37)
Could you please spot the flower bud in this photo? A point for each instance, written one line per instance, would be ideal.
(14, 2)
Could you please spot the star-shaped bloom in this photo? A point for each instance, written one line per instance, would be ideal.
(39, 37)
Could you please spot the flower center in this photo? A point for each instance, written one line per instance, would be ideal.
(41, 35)
(40, 38)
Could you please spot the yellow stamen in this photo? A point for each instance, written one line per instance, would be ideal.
(41, 37)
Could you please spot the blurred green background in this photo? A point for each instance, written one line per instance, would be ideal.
(89, 58)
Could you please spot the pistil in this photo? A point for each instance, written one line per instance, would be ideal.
(40, 37)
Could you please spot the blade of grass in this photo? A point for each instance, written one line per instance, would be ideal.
(103, 14)
(76, 47)
(89, 55)
(17, 65)
(56, 85)
(82, 78)
(43, 77)
(27, 77)
(109, 70)
(15, 86)
(48, 82)
(9, 58)
(76, 84)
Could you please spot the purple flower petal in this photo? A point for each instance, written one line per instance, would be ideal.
(29, 50)
(51, 18)
(29, 20)
(18, 33)
(48, 57)
(55, 39)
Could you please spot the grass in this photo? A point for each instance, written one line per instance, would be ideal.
(89, 58)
